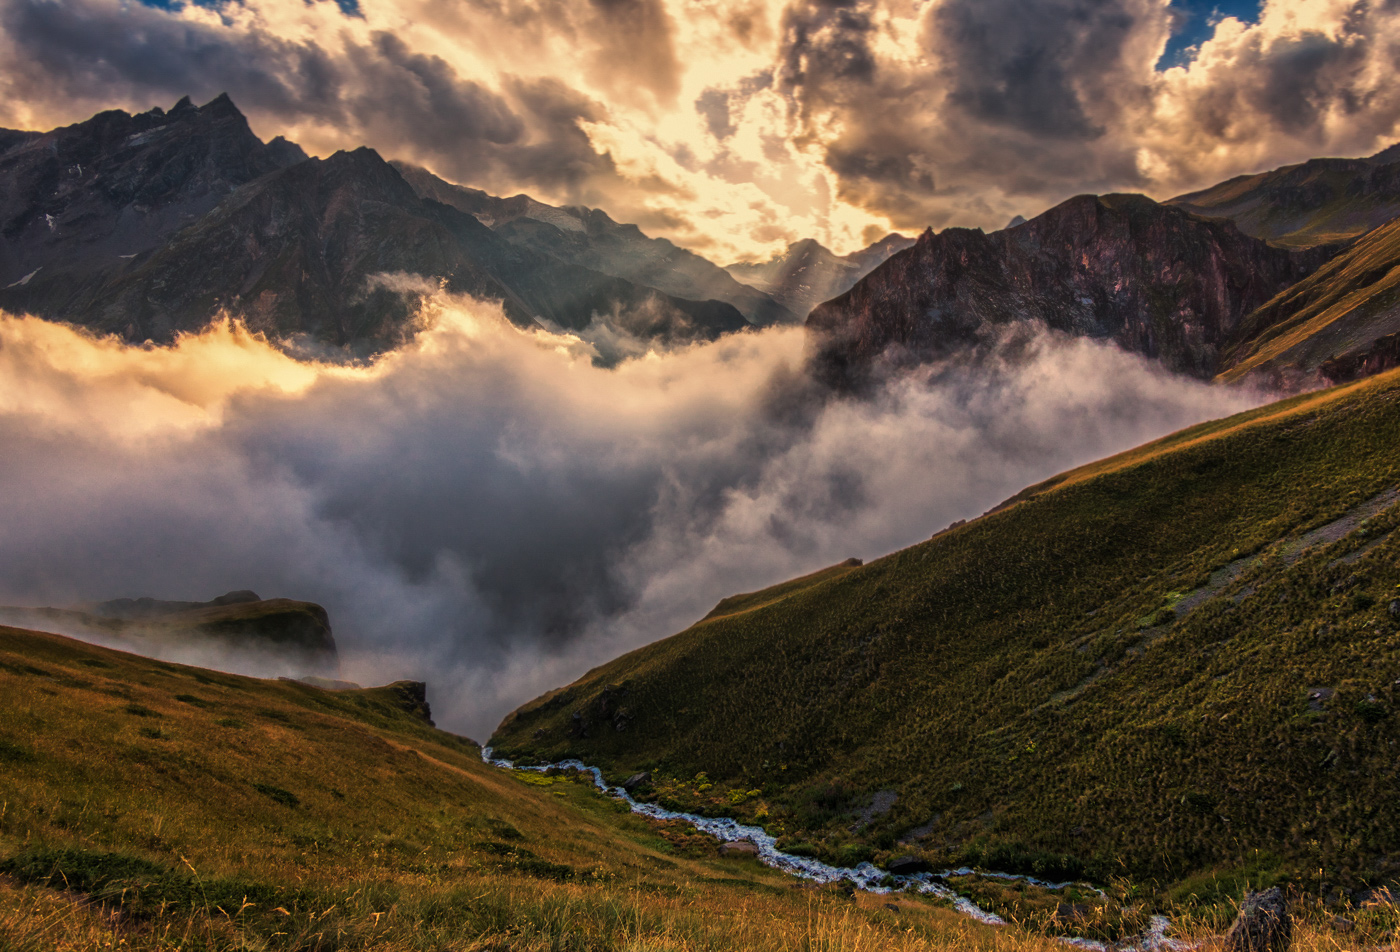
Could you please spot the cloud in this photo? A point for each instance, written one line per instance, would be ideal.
(487, 510)
(734, 129)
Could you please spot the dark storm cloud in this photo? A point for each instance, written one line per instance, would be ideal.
(81, 51)
(386, 95)
(1030, 66)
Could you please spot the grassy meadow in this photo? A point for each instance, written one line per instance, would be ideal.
(147, 805)
(1172, 673)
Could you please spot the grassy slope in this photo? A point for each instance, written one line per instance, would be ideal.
(999, 679)
(1339, 311)
(1320, 202)
(748, 601)
(198, 810)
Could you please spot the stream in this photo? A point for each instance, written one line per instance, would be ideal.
(866, 876)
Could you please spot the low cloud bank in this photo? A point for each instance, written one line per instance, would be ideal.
(489, 511)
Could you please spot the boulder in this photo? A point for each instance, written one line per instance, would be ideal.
(908, 866)
(1395, 609)
(739, 849)
(1263, 925)
(635, 781)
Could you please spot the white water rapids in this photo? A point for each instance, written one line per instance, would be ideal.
(866, 876)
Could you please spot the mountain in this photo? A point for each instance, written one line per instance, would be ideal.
(1341, 322)
(146, 226)
(296, 633)
(1152, 278)
(1177, 665)
(807, 273)
(1318, 202)
(82, 200)
(148, 801)
(588, 238)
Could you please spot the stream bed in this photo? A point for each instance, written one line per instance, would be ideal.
(866, 876)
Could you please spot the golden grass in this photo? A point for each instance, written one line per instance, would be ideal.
(395, 836)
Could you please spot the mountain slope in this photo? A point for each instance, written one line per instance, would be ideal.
(1341, 322)
(1319, 202)
(295, 633)
(1179, 664)
(153, 806)
(81, 200)
(588, 238)
(807, 273)
(161, 221)
(1152, 278)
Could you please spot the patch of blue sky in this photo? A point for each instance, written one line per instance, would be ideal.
(1195, 22)
(351, 8)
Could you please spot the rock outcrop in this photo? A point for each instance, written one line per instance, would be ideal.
(1153, 279)
(1263, 924)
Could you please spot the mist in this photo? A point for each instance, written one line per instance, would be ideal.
(493, 510)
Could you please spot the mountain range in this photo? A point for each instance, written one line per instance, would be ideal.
(148, 225)
(1219, 283)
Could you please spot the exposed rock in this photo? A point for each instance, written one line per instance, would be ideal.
(1153, 279)
(739, 849)
(637, 780)
(1072, 912)
(1395, 608)
(146, 226)
(908, 865)
(413, 698)
(1263, 925)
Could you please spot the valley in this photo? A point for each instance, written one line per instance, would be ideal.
(524, 448)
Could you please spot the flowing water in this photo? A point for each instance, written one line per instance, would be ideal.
(866, 876)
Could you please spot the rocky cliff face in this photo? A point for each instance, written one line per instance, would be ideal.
(1153, 279)
(146, 226)
(83, 200)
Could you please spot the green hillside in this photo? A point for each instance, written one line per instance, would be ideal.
(1318, 202)
(1177, 665)
(152, 806)
(1342, 321)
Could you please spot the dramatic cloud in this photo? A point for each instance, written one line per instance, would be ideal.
(487, 510)
(733, 128)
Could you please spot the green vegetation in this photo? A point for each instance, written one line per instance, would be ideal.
(1334, 317)
(277, 816)
(1174, 667)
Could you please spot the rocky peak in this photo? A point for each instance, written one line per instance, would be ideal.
(88, 197)
(1152, 278)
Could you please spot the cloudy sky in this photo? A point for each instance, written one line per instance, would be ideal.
(735, 126)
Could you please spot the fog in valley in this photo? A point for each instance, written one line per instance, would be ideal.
(489, 510)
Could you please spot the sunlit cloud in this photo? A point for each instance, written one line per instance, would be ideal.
(487, 509)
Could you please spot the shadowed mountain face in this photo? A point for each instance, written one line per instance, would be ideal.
(1152, 278)
(146, 226)
(1319, 202)
(588, 238)
(83, 200)
(807, 273)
